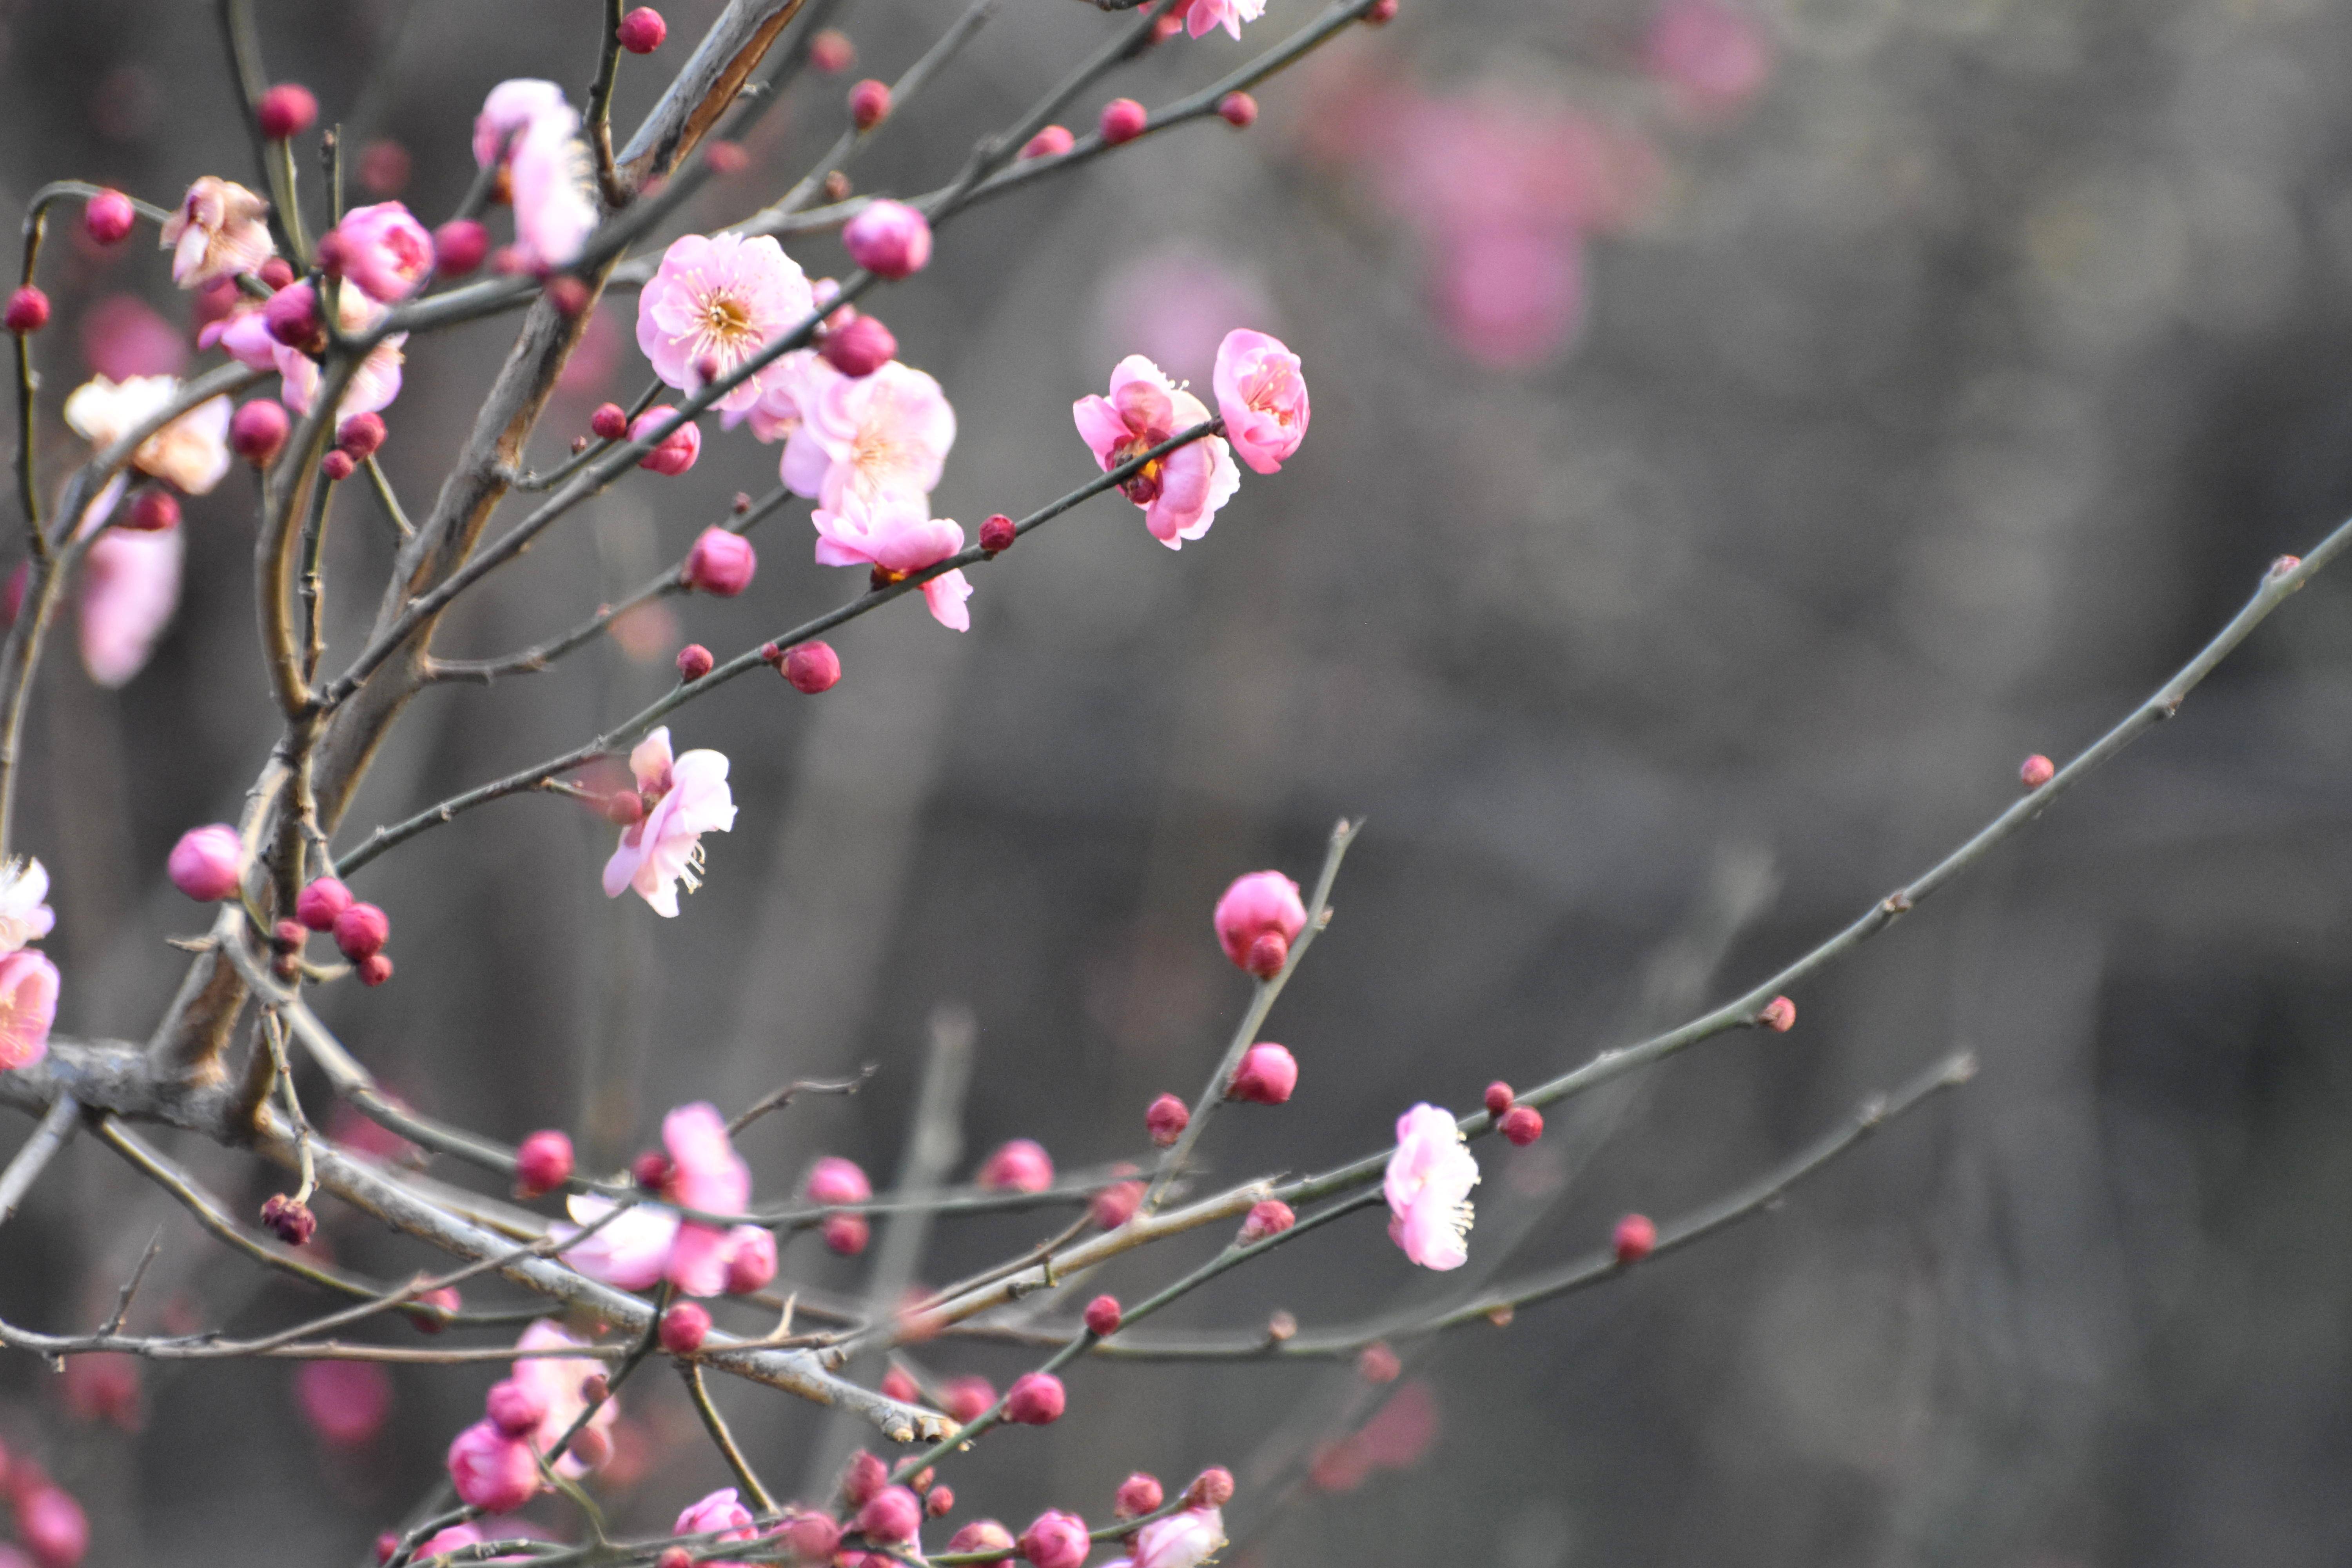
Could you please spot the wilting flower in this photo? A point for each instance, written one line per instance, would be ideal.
(492, 1471)
(685, 798)
(1185, 1539)
(1199, 15)
(217, 231)
(884, 433)
(25, 913)
(1179, 492)
(130, 587)
(895, 535)
(1262, 397)
(190, 452)
(556, 1380)
(383, 249)
(29, 1005)
(1428, 1187)
(716, 301)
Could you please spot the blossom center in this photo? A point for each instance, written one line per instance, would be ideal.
(725, 321)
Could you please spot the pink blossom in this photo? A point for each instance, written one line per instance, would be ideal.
(1262, 397)
(1510, 295)
(449, 1540)
(1712, 59)
(685, 799)
(1185, 1539)
(345, 1402)
(1259, 905)
(894, 534)
(52, 1525)
(721, 1515)
(25, 913)
(372, 386)
(382, 249)
(1179, 492)
(1199, 15)
(217, 231)
(492, 1471)
(677, 451)
(884, 433)
(632, 1252)
(751, 1259)
(1055, 1540)
(833, 1180)
(130, 587)
(29, 1005)
(715, 303)
(706, 1173)
(554, 204)
(1428, 1187)
(556, 1380)
(190, 453)
(1020, 1166)
(889, 239)
(784, 386)
(511, 109)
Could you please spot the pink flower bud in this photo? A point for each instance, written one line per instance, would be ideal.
(753, 1262)
(997, 535)
(642, 30)
(1635, 1238)
(623, 808)
(846, 1234)
(1020, 1166)
(514, 1407)
(1213, 1487)
(898, 1386)
(1378, 1363)
(292, 317)
(2038, 771)
(109, 216)
(1037, 1400)
(337, 464)
(812, 667)
(361, 930)
(153, 509)
(864, 1478)
(813, 1537)
(1103, 1316)
(542, 1163)
(1115, 1204)
(1382, 13)
(52, 1526)
(286, 109)
(27, 312)
(204, 863)
(1268, 1216)
(291, 1222)
(1123, 119)
(832, 52)
(869, 104)
(683, 1327)
(318, 903)
(1266, 1076)
(446, 1300)
(890, 1517)
(889, 239)
(966, 1398)
(593, 1447)
(492, 1471)
(694, 662)
(859, 348)
(1050, 142)
(1268, 952)
(460, 246)
(381, 249)
(982, 1535)
(1139, 1494)
(1499, 1098)
(1166, 1119)
(1257, 905)
(939, 1501)
(1238, 109)
(258, 429)
(374, 970)
(611, 421)
(1055, 1540)
(834, 1180)
(565, 295)
(720, 563)
(650, 1170)
(1779, 1015)
(674, 1557)
(1522, 1125)
(361, 434)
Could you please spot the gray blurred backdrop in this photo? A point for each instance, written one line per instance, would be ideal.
(1925, 409)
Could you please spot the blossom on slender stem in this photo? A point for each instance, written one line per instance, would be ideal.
(1185, 1539)
(894, 534)
(1262, 397)
(218, 230)
(490, 1470)
(1180, 493)
(716, 301)
(889, 239)
(1428, 1187)
(1257, 918)
(1199, 15)
(1055, 1540)
(382, 249)
(887, 433)
(29, 1005)
(25, 913)
(190, 452)
(372, 386)
(686, 797)
(556, 1380)
(547, 168)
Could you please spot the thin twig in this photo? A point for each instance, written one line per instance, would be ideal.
(715, 1425)
(56, 1127)
(777, 1099)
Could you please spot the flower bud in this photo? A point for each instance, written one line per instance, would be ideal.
(650, 1170)
(287, 936)
(898, 1386)
(642, 30)
(890, 1517)
(258, 429)
(812, 667)
(1122, 120)
(292, 317)
(204, 864)
(361, 436)
(515, 1408)
(1055, 1540)
(1382, 13)
(2038, 771)
(446, 1300)
(1266, 1076)
(52, 1525)
(623, 808)
(1378, 1363)
(864, 1478)
(565, 295)
(859, 348)
(108, 217)
(1635, 1238)
(460, 246)
(374, 970)
(980, 1535)
(673, 1556)
(832, 52)
(1115, 1204)
(813, 1537)
(720, 563)
(593, 1447)
(1268, 1216)
(726, 157)
(694, 662)
(361, 930)
(27, 312)
(1779, 1015)
(1268, 952)
(1020, 1166)
(1238, 109)
(1499, 1098)
(1103, 1316)
(153, 509)
(318, 904)
(1522, 1125)
(1165, 1118)
(291, 1222)
(1037, 1400)
(939, 1501)
(846, 1234)
(286, 109)
(966, 1398)
(542, 1163)
(1050, 142)
(683, 1327)
(1258, 905)
(889, 239)
(834, 1180)
(337, 464)
(595, 1388)
(1213, 1487)
(753, 1261)
(836, 187)
(869, 104)
(1139, 1494)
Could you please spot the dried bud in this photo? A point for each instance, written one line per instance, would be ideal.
(515, 1408)
(1103, 1316)
(650, 1170)
(1266, 1076)
(2038, 771)
(1050, 142)
(1378, 1363)
(742, 505)
(361, 434)
(1635, 1238)
(864, 1478)
(542, 1163)
(1779, 1015)
(859, 348)
(1522, 1125)
(286, 109)
(1139, 1494)
(1115, 1204)
(2285, 564)
(847, 1234)
(1499, 1098)
(1238, 109)
(642, 30)
(836, 185)
(374, 969)
(1166, 1119)
(869, 104)
(337, 465)
(812, 667)
(1037, 1400)
(153, 509)
(1123, 119)
(108, 217)
(939, 1501)
(258, 429)
(291, 1222)
(997, 535)
(27, 312)
(1213, 1487)
(361, 930)
(694, 662)
(460, 246)
(683, 1327)
(1268, 1216)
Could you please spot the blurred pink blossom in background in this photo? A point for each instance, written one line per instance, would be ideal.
(122, 337)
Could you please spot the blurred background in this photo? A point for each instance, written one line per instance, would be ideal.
(1742, 433)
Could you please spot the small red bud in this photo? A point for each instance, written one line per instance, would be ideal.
(318, 903)
(460, 246)
(1382, 13)
(675, 1557)
(642, 30)
(683, 1327)
(1166, 1119)
(650, 1170)
(276, 273)
(997, 535)
(1213, 1487)
(2038, 771)
(1522, 1125)
(595, 1388)
(939, 1501)
(1779, 1015)
(153, 509)
(1635, 1238)
(898, 1386)
(1268, 952)
(1103, 1316)
(374, 969)
(286, 109)
(773, 656)
(859, 348)
(287, 936)
(446, 1300)
(1269, 1216)
(28, 311)
(542, 1163)
(1037, 1400)
(1050, 142)
(1238, 109)
(567, 294)
(847, 1234)
(694, 662)
(1378, 1363)
(863, 1479)
(108, 217)
(1139, 1494)
(611, 421)
(812, 667)
(623, 808)
(291, 1222)
(361, 930)
(742, 505)
(337, 464)
(1499, 1098)
(869, 104)
(361, 434)
(1123, 119)
(258, 429)
(836, 187)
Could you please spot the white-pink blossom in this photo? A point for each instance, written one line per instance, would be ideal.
(716, 301)
(632, 1252)
(382, 250)
(785, 387)
(218, 230)
(1428, 1187)
(684, 797)
(556, 1380)
(372, 386)
(510, 108)
(1185, 1539)
(554, 203)
(1262, 397)
(190, 453)
(895, 534)
(1180, 493)
(706, 1173)
(884, 433)
(1199, 15)
(25, 913)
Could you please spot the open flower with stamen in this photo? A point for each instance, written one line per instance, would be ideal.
(1428, 1188)
(1180, 493)
(716, 301)
(556, 1381)
(1262, 397)
(218, 230)
(884, 433)
(684, 797)
(25, 913)
(190, 452)
(895, 534)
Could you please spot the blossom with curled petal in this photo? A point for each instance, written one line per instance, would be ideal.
(554, 201)
(684, 797)
(556, 1380)
(190, 452)
(1180, 493)
(1428, 1187)
(1262, 397)
(895, 534)
(871, 436)
(218, 230)
(716, 301)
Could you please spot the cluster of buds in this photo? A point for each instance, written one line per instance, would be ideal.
(360, 930)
